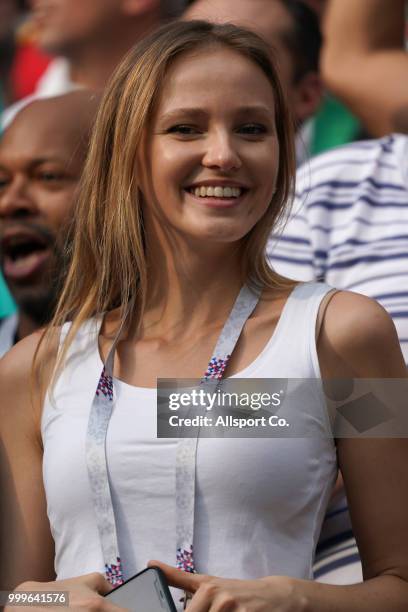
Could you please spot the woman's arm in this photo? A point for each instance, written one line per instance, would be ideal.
(26, 544)
(364, 61)
(358, 339)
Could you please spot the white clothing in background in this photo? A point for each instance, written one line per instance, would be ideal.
(54, 82)
(349, 226)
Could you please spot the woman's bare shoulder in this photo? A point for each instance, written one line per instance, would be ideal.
(359, 333)
(22, 386)
(358, 319)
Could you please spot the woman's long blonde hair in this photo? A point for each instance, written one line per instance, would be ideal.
(107, 266)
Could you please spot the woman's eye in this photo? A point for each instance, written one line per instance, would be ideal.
(253, 129)
(184, 130)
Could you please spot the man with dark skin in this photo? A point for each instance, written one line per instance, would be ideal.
(42, 154)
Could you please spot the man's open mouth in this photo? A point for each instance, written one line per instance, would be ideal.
(24, 254)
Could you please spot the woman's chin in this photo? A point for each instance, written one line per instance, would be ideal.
(213, 239)
(220, 232)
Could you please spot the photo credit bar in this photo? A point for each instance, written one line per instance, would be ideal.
(282, 408)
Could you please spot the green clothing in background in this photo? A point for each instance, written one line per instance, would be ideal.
(334, 125)
(7, 306)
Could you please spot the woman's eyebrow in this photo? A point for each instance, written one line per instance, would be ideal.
(190, 112)
(197, 113)
(258, 109)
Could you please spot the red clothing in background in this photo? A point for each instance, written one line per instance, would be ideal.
(28, 66)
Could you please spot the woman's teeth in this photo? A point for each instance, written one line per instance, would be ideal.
(217, 192)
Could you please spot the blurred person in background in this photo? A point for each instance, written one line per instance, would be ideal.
(319, 6)
(292, 29)
(41, 158)
(8, 19)
(90, 38)
(349, 225)
(22, 63)
(93, 36)
(365, 63)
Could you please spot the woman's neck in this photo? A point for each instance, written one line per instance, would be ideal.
(191, 292)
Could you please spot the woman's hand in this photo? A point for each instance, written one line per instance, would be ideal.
(85, 593)
(211, 594)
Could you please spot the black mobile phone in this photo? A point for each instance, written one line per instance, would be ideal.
(147, 591)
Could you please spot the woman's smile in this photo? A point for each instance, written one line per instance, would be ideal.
(216, 194)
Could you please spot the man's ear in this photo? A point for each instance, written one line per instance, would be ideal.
(139, 7)
(307, 96)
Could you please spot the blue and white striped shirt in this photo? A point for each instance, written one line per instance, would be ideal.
(349, 225)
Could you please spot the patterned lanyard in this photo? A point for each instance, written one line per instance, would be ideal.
(99, 417)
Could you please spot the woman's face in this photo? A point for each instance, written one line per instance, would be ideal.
(213, 152)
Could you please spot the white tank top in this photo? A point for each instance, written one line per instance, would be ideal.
(260, 503)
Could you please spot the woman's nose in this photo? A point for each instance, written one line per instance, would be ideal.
(221, 152)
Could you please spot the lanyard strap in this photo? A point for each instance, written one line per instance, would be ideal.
(99, 417)
(98, 423)
(186, 456)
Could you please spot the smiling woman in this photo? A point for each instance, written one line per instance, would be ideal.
(190, 167)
